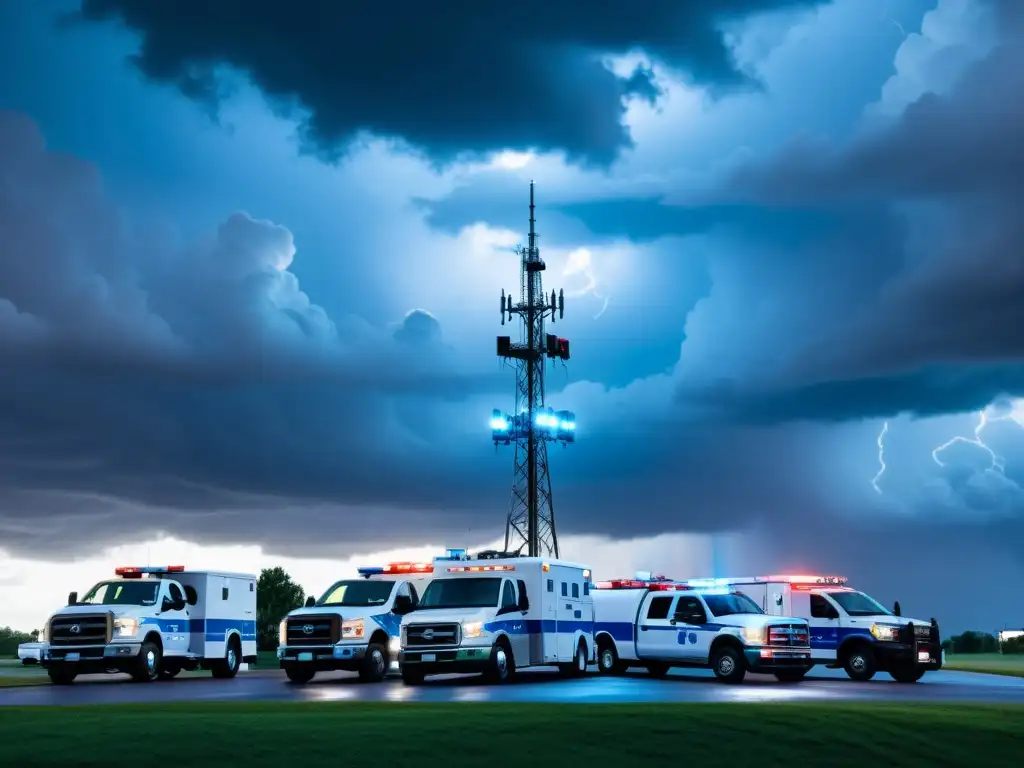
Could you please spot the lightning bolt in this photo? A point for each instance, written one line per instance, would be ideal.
(881, 457)
(998, 463)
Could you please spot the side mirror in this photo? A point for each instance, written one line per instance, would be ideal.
(403, 605)
(179, 605)
(166, 605)
(833, 613)
(72, 598)
(524, 603)
(896, 609)
(310, 601)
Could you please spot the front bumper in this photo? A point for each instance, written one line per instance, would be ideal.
(769, 659)
(31, 653)
(927, 655)
(92, 658)
(445, 661)
(344, 658)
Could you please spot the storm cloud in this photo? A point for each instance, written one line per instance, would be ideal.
(473, 77)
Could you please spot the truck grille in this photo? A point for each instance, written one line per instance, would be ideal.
(789, 635)
(923, 631)
(81, 629)
(432, 635)
(313, 630)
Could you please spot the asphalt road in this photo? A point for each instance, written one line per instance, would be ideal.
(538, 686)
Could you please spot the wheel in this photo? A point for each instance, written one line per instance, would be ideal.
(608, 659)
(728, 665)
(579, 667)
(228, 667)
(906, 674)
(375, 664)
(501, 666)
(412, 675)
(657, 669)
(147, 665)
(859, 663)
(300, 674)
(61, 675)
(791, 675)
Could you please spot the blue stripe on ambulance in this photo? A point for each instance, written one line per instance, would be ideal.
(216, 630)
(389, 622)
(538, 626)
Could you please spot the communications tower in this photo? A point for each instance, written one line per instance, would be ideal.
(532, 425)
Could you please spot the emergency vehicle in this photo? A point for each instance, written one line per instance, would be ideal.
(849, 629)
(496, 613)
(657, 623)
(153, 622)
(354, 626)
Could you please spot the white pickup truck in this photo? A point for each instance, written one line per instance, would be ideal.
(153, 622)
(354, 626)
(659, 624)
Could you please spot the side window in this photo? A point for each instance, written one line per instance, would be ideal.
(575, 590)
(551, 585)
(224, 593)
(565, 589)
(523, 595)
(820, 609)
(659, 608)
(508, 596)
(586, 588)
(176, 595)
(691, 605)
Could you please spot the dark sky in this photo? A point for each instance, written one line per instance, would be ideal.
(251, 253)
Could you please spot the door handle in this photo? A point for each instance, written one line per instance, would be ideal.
(568, 606)
(643, 629)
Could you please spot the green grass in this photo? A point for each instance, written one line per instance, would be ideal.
(990, 663)
(277, 734)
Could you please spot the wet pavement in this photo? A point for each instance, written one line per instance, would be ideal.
(530, 686)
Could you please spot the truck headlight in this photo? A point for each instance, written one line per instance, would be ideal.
(126, 627)
(886, 633)
(352, 629)
(282, 632)
(754, 635)
(472, 629)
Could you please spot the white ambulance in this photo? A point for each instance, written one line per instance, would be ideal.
(354, 626)
(154, 622)
(849, 629)
(496, 613)
(658, 624)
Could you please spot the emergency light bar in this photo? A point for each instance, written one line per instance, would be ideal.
(660, 585)
(805, 579)
(479, 568)
(408, 568)
(135, 572)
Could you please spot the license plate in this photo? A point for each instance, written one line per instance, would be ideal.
(72, 657)
(305, 657)
(428, 657)
(923, 656)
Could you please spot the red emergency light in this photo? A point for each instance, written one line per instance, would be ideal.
(655, 585)
(480, 568)
(408, 568)
(136, 572)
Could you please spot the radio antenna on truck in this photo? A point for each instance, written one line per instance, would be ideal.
(531, 426)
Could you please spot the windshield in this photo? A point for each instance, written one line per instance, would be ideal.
(858, 604)
(727, 605)
(475, 592)
(122, 593)
(357, 593)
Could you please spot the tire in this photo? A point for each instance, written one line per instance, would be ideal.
(375, 664)
(907, 674)
(147, 664)
(412, 675)
(608, 659)
(728, 665)
(228, 667)
(61, 675)
(791, 675)
(501, 667)
(300, 674)
(579, 661)
(657, 669)
(859, 663)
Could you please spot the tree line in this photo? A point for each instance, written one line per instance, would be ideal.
(982, 642)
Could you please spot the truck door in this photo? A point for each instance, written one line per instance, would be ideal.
(174, 623)
(824, 621)
(549, 625)
(656, 635)
(692, 640)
